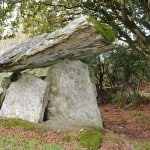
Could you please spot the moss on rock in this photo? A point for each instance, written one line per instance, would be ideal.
(90, 139)
(103, 28)
(9, 123)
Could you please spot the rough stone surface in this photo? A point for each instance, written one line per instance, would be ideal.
(26, 99)
(72, 103)
(77, 40)
(4, 84)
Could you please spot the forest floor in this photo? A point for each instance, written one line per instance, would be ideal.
(124, 130)
(131, 128)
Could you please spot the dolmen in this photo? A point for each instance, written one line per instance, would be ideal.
(65, 98)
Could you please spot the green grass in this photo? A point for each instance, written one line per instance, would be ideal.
(90, 139)
(9, 123)
(17, 143)
(142, 118)
(66, 138)
(138, 145)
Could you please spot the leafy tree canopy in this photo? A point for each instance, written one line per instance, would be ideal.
(128, 18)
(35, 16)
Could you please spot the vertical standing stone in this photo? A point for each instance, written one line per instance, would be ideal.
(26, 99)
(72, 103)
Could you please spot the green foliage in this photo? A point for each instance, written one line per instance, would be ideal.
(16, 143)
(119, 99)
(90, 139)
(9, 123)
(123, 71)
(127, 100)
(126, 69)
(142, 145)
(136, 98)
(47, 15)
(39, 17)
(104, 29)
(34, 17)
(130, 26)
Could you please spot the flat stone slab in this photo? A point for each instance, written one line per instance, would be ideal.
(72, 103)
(26, 99)
(77, 40)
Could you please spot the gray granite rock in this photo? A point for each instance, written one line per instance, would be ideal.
(26, 99)
(72, 103)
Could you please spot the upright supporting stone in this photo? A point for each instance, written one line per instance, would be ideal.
(26, 99)
(72, 103)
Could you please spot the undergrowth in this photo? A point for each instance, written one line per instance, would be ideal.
(128, 100)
